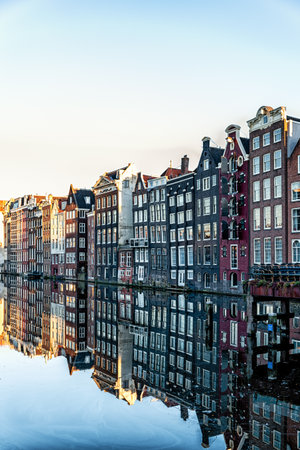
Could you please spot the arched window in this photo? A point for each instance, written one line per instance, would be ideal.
(233, 210)
(224, 185)
(224, 230)
(233, 279)
(296, 251)
(232, 184)
(232, 164)
(224, 207)
(207, 280)
(233, 230)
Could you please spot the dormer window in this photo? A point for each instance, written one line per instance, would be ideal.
(87, 200)
(265, 119)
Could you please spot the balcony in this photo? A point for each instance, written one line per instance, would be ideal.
(138, 242)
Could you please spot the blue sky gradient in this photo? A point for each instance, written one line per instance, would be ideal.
(87, 86)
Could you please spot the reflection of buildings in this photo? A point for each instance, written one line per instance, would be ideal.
(114, 344)
(193, 352)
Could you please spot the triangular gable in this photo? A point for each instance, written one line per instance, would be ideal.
(102, 182)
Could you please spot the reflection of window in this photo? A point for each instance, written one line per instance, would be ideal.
(233, 256)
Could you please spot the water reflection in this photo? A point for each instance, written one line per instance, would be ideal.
(232, 361)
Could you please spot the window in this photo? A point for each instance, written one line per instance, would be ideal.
(206, 164)
(278, 250)
(266, 434)
(277, 187)
(180, 234)
(181, 256)
(180, 217)
(189, 214)
(206, 206)
(81, 227)
(255, 167)
(277, 440)
(295, 188)
(257, 251)
(277, 135)
(188, 197)
(172, 218)
(296, 250)
(267, 250)
(206, 184)
(81, 242)
(296, 220)
(266, 139)
(206, 255)
(190, 255)
(233, 256)
(206, 231)
(199, 207)
(267, 217)
(278, 216)
(172, 235)
(266, 162)
(277, 159)
(214, 204)
(267, 188)
(256, 191)
(234, 333)
(255, 143)
(256, 219)
(214, 180)
(180, 200)
(189, 233)
(199, 232)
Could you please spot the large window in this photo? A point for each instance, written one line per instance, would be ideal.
(206, 231)
(233, 256)
(278, 216)
(267, 217)
(206, 206)
(278, 250)
(256, 219)
(257, 251)
(255, 143)
(277, 135)
(267, 251)
(277, 187)
(296, 220)
(266, 162)
(295, 188)
(266, 139)
(256, 165)
(256, 191)
(206, 255)
(277, 159)
(267, 188)
(181, 256)
(296, 250)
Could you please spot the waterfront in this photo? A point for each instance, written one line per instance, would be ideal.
(188, 369)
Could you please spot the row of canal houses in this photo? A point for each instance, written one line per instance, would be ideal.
(205, 228)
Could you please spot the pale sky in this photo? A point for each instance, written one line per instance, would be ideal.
(88, 86)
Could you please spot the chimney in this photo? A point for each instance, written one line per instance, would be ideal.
(184, 164)
(206, 142)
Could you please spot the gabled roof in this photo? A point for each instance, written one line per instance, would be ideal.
(146, 178)
(80, 195)
(216, 154)
(170, 172)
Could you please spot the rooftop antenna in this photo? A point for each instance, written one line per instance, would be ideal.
(218, 146)
(170, 163)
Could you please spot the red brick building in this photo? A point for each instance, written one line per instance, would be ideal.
(234, 239)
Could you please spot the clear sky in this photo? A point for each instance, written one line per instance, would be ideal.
(87, 86)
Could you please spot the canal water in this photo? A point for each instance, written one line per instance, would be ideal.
(110, 367)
